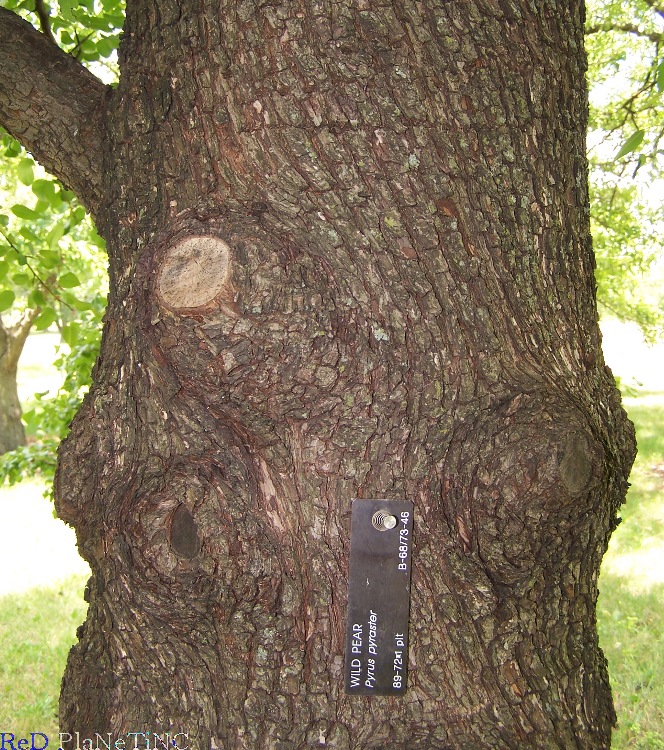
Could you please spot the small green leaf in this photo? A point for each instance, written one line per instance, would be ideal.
(29, 419)
(45, 191)
(70, 333)
(7, 298)
(631, 144)
(97, 240)
(25, 171)
(55, 235)
(660, 76)
(4, 220)
(88, 53)
(14, 149)
(4, 267)
(21, 279)
(36, 298)
(81, 305)
(77, 215)
(29, 235)
(98, 23)
(66, 9)
(43, 321)
(49, 259)
(23, 212)
(107, 45)
(69, 280)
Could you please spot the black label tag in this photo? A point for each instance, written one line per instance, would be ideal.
(381, 541)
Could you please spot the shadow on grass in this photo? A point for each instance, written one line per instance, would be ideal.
(37, 629)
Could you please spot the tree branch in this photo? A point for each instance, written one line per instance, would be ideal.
(53, 106)
(626, 28)
(42, 11)
(659, 9)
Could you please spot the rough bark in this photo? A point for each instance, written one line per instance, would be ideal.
(53, 106)
(350, 257)
(12, 341)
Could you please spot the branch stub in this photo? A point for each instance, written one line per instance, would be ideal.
(194, 272)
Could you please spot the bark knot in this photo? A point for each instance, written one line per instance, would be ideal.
(576, 466)
(184, 533)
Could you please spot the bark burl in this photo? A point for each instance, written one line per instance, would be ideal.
(350, 257)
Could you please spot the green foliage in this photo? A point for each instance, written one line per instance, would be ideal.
(631, 144)
(7, 297)
(626, 125)
(89, 30)
(52, 261)
(626, 73)
(47, 244)
(626, 245)
(48, 417)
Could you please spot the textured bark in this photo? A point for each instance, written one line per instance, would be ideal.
(12, 341)
(53, 106)
(350, 257)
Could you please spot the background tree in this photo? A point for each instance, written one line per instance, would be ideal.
(350, 257)
(12, 340)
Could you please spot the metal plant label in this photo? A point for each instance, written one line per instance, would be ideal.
(381, 544)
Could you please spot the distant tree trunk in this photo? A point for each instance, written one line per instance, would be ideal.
(350, 257)
(12, 341)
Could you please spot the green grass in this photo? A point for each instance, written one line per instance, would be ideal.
(630, 610)
(37, 629)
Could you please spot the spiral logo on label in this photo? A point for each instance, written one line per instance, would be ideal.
(383, 521)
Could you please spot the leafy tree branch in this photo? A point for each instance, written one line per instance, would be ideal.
(37, 77)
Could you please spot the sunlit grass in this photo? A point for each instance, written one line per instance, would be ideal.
(632, 635)
(37, 629)
(630, 609)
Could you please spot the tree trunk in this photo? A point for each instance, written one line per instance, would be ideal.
(350, 257)
(12, 341)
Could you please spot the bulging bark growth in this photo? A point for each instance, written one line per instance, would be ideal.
(350, 257)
